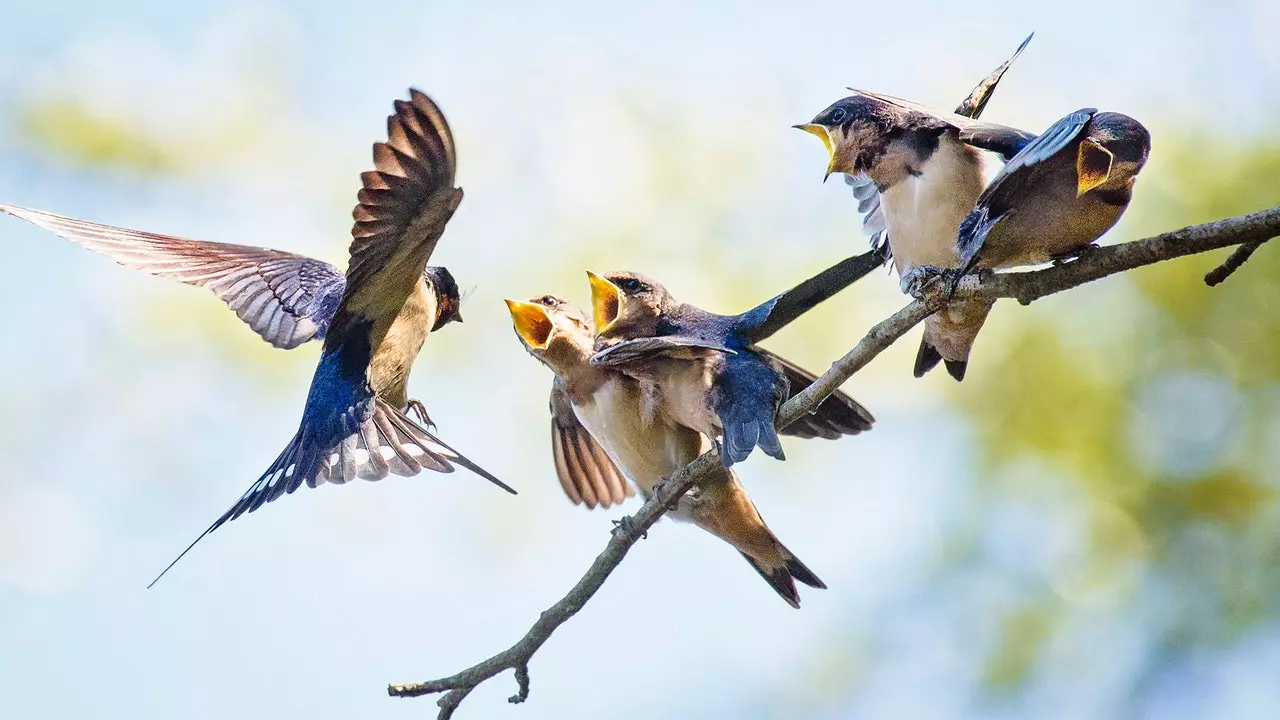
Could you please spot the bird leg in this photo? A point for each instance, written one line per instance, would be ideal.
(420, 410)
(922, 281)
(626, 524)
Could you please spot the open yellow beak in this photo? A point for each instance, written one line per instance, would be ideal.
(825, 137)
(1093, 166)
(531, 323)
(606, 302)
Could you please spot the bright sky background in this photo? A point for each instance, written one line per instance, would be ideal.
(137, 411)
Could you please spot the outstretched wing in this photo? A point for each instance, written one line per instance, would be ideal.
(973, 105)
(676, 346)
(586, 473)
(288, 299)
(403, 208)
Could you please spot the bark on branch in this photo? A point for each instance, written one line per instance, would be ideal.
(1025, 287)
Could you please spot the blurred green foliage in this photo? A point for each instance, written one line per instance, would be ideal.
(1161, 419)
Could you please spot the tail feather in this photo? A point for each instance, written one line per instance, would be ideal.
(782, 577)
(927, 358)
(387, 442)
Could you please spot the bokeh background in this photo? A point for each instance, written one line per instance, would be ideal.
(1087, 527)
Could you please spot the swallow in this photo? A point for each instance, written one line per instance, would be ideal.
(864, 190)
(926, 170)
(702, 369)
(373, 320)
(1058, 195)
(601, 433)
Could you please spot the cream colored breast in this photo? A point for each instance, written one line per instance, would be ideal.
(923, 212)
(644, 451)
(399, 348)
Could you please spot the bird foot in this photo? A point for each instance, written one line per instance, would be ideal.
(417, 408)
(924, 281)
(626, 524)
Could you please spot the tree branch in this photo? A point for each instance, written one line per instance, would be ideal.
(1025, 287)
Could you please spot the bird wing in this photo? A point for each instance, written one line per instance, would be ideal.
(1002, 192)
(288, 299)
(973, 105)
(677, 346)
(586, 473)
(402, 211)
(838, 415)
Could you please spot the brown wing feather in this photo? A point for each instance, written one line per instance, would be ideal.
(284, 297)
(838, 415)
(585, 471)
(402, 211)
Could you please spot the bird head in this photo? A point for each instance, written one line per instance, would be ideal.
(448, 299)
(626, 303)
(1112, 154)
(855, 130)
(552, 330)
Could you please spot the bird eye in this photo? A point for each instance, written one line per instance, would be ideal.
(837, 116)
(548, 301)
(631, 285)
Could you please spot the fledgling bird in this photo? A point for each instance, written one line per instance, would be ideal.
(602, 432)
(927, 173)
(373, 321)
(864, 190)
(1059, 194)
(702, 369)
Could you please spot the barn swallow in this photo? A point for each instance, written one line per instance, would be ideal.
(864, 190)
(927, 174)
(702, 369)
(373, 321)
(1059, 194)
(601, 431)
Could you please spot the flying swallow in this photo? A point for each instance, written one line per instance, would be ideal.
(373, 321)
(926, 172)
(702, 369)
(1059, 194)
(602, 430)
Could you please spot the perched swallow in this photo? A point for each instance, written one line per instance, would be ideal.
(864, 190)
(373, 321)
(1059, 194)
(927, 174)
(702, 369)
(601, 431)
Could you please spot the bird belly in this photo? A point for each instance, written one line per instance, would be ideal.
(400, 345)
(923, 212)
(1054, 227)
(645, 451)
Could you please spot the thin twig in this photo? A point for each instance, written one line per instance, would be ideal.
(1025, 287)
(1232, 264)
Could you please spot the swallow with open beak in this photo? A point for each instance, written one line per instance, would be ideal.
(864, 190)
(927, 173)
(601, 432)
(374, 320)
(1059, 194)
(702, 370)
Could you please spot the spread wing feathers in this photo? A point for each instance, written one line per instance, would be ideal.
(679, 346)
(346, 434)
(586, 473)
(836, 416)
(973, 105)
(403, 208)
(868, 196)
(288, 299)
